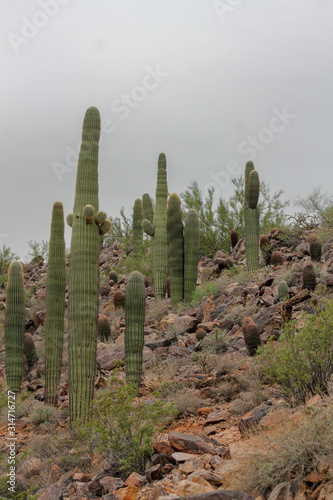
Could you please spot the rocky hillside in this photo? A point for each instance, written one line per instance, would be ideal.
(231, 419)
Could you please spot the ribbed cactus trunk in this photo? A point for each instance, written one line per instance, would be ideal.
(137, 228)
(160, 251)
(84, 271)
(191, 253)
(251, 216)
(14, 325)
(147, 205)
(175, 249)
(55, 305)
(134, 327)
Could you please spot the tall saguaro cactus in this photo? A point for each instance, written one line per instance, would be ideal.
(137, 228)
(175, 249)
(134, 327)
(158, 230)
(55, 305)
(251, 216)
(88, 224)
(14, 325)
(191, 252)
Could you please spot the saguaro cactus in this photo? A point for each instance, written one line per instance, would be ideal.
(55, 305)
(175, 249)
(134, 327)
(147, 205)
(14, 325)
(191, 253)
(88, 224)
(251, 216)
(137, 228)
(158, 230)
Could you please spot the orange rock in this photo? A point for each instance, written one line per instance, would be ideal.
(128, 493)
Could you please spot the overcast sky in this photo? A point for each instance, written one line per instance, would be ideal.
(209, 83)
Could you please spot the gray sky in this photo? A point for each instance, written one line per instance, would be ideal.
(209, 83)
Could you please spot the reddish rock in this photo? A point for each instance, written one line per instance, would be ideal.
(129, 493)
(218, 416)
(163, 447)
(195, 444)
(110, 484)
(135, 479)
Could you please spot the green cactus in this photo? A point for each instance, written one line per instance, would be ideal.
(315, 248)
(159, 231)
(147, 205)
(14, 325)
(55, 305)
(251, 216)
(251, 335)
(175, 249)
(191, 253)
(103, 328)
(84, 272)
(309, 276)
(137, 228)
(233, 238)
(283, 291)
(29, 350)
(134, 327)
(119, 299)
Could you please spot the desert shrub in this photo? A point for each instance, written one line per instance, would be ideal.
(216, 342)
(205, 291)
(124, 426)
(38, 250)
(6, 256)
(43, 414)
(292, 454)
(301, 362)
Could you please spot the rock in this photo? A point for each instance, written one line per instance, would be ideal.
(182, 457)
(203, 412)
(163, 447)
(55, 473)
(186, 324)
(135, 479)
(110, 484)
(250, 420)
(186, 467)
(208, 309)
(281, 492)
(31, 467)
(219, 495)
(107, 358)
(196, 444)
(80, 476)
(217, 416)
(51, 493)
(314, 401)
(211, 476)
(129, 493)
(153, 473)
(196, 486)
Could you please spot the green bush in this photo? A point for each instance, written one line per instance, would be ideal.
(124, 426)
(6, 256)
(301, 362)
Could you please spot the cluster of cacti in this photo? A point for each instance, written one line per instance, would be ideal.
(251, 216)
(29, 350)
(309, 276)
(283, 291)
(103, 328)
(55, 305)
(251, 335)
(315, 248)
(134, 327)
(137, 228)
(88, 225)
(119, 299)
(183, 251)
(233, 238)
(157, 230)
(14, 325)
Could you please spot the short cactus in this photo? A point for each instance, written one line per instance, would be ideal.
(14, 325)
(113, 276)
(29, 350)
(175, 249)
(315, 248)
(55, 305)
(276, 258)
(251, 216)
(283, 291)
(103, 328)
(137, 228)
(309, 277)
(119, 299)
(233, 238)
(134, 327)
(251, 335)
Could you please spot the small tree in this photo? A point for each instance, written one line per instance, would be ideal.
(6, 257)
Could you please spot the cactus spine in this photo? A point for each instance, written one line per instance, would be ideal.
(134, 327)
(55, 305)
(84, 272)
(175, 249)
(158, 230)
(147, 205)
(137, 228)
(14, 325)
(251, 216)
(191, 253)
